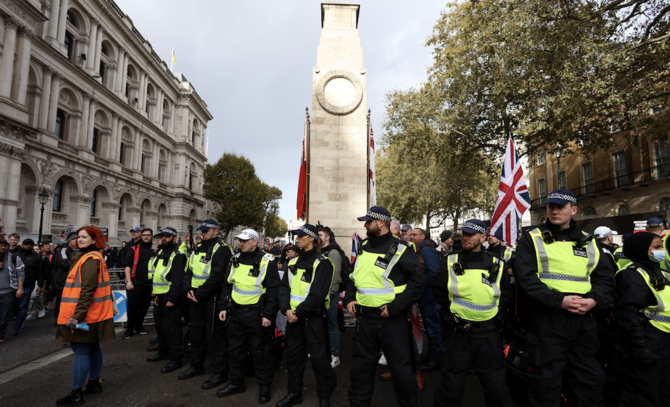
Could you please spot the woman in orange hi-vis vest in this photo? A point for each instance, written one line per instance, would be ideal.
(86, 315)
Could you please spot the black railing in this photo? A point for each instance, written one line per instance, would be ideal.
(624, 181)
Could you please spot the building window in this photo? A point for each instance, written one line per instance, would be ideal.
(620, 175)
(122, 153)
(562, 180)
(193, 138)
(589, 213)
(540, 157)
(142, 164)
(60, 124)
(94, 201)
(541, 192)
(103, 71)
(127, 90)
(622, 210)
(58, 194)
(96, 140)
(587, 172)
(662, 156)
(69, 46)
(664, 205)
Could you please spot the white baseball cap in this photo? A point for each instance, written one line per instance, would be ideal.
(602, 232)
(247, 234)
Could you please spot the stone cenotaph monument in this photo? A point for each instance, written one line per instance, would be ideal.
(338, 136)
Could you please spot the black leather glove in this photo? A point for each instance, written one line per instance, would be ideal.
(641, 354)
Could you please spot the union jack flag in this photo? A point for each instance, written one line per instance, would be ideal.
(355, 247)
(513, 199)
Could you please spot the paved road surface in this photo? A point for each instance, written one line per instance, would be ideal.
(130, 381)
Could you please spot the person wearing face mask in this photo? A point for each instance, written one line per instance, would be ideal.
(249, 304)
(566, 275)
(386, 281)
(168, 274)
(640, 310)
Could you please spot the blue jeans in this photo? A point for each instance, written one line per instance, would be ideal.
(87, 360)
(23, 309)
(433, 325)
(333, 328)
(6, 301)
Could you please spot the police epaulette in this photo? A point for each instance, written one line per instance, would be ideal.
(269, 256)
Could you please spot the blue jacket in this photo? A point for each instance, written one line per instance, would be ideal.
(432, 261)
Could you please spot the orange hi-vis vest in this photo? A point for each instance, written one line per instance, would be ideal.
(101, 308)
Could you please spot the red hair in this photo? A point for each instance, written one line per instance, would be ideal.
(96, 235)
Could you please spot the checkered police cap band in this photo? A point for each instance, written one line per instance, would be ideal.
(309, 232)
(564, 197)
(474, 226)
(169, 232)
(379, 216)
(210, 225)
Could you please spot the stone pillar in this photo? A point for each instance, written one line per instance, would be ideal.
(338, 137)
(138, 152)
(91, 124)
(11, 163)
(124, 76)
(173, 110)
(83, 128)
(53, 102)
(33, 104)
(118, 82)
(53, 22)
(158, 111)
(140, 92)
(111, 151)
(21, 82)
(62, 23)
(2, 28)
(98, 51)
(90, 58)
(119, 138)
(7, 64)
(75, 128)
(43, 114)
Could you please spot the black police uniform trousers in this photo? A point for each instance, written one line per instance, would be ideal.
(391, 336)
(168, 328)
(245, 330)
(480, 349)
(139, 299)
(645, 385)
(310, 335)
(560, 341)
(208, 330)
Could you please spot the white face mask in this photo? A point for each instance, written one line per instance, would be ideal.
(657, 256)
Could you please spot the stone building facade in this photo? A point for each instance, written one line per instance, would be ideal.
(615, 187)
(89, 112)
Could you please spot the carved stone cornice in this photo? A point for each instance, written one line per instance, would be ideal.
(48, 70)
(81, 199)
(110, 205)
(133, 209)
(87, 96)
(27, 32)
(11, 22)
(151, 213)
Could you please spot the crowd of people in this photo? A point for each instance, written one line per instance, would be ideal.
(558, 284)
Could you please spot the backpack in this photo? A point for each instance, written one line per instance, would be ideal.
(418, 253)
(346, 267)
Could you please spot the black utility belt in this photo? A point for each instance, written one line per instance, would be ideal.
(240, 307)
(464, 325)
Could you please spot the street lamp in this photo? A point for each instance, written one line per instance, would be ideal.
(559, 153)
(43, 197)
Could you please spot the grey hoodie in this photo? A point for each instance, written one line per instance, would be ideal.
(10, 273)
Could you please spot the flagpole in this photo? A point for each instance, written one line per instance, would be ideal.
(367, 149)
(171, 59)
(307, 160)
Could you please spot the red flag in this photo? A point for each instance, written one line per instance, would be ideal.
(301, 204)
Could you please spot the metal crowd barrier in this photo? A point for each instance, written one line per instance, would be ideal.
(117, 282)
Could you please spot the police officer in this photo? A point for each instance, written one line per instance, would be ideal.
(386, 281)
(168, 267)
(566, 274)
(249, 303)
(605, 236)
(203, 280)
(472, 286)
(643, 348)
(304, 296)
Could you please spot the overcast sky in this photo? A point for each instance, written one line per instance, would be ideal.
(252, 61)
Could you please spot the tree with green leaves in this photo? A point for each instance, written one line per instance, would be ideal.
(240, 197)
(549, 72)
(275, 226)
